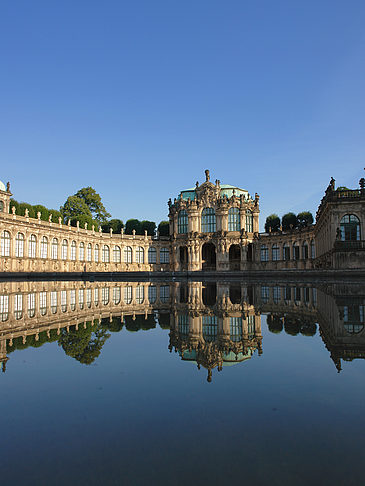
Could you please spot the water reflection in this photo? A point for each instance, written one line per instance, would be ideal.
(211, 324)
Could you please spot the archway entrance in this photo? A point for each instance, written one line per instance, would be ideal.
(184, 258)
(208, 257)
(249, 253)
(209, 294)
(234, 257)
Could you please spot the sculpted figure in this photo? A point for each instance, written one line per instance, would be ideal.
(207, 176)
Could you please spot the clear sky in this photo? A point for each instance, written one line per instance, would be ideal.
(137, 98)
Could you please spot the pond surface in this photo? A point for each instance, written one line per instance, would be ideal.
(119, 383)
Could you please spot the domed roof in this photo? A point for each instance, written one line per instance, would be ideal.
(225, 190)
(2, 186)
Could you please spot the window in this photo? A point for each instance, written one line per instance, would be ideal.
(116, 295)
(32, 246)
(164, 255)
(264, 253)
(4, 307)
(276, 294)
(81, 298)
(18, 306)
(139, 294)
(19, 245)
(350, 228)
(128, 294)
(82, 252)
(251, 327)
(44, 247)
(234, 220)
(73, 251)
(210, 328)
(313, 249)
(152, 255)
(164, 294)
(63, 300)
(287, 294)
(235, 329)
(182, 222)
(140, 255)
(152, 294)
(64, 248)
(31, 305)
(127, 254)
(297, 294)
(116, 254)
(96, 253)
(96, 296)
(105, 254)
(5, 244)
(305, 252)
(265, 293)
(88, 252)
(54, 250)
(73, 299)
(275, 253)
(1, 206)
(53, 302)
(286, 252)
(249, 221)
(296, 251)
(208, 220)
(88, 298)
(43, 303)
(105, 295)
(183, 325)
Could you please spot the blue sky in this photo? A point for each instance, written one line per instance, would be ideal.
(138, 98)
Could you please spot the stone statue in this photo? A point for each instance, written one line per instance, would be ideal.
(207, 176)
(197, 184)
(338, 234)
(8, 187)
(332, 184)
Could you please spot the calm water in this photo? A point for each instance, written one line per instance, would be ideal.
(142, 384)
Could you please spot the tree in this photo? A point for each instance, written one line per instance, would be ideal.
(305, 219)
(38, 208)
(23, 206)
(164, 228)
(133, 224)
(273, 222)
(14, 203)
(289, 219)
(150, 226)
(115, 224)
(93, 201)
(74, 208)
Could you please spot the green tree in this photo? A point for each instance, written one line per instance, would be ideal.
(14, 203)
(115, 224)
(289, 219)
(133, 224)
(93, 201)
(273, 222)
(23, 206)
(74, 208)
(164, 228)
(38, 208)
(150, 226)
(305, 219)
(55, 214)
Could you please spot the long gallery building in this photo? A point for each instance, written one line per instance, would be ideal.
(213, 227)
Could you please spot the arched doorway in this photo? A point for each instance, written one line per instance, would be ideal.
(184, 260)
(209, 294)
(235, 294)
(208, 257)
(234, 257)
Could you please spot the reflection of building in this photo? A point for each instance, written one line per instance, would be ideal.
(214, 325)
(212, 227)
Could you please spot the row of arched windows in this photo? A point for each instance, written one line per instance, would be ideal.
(64, 300)
(287, 252)
(208, 220)
(86, 253)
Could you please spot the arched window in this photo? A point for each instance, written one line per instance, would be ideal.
(54, 302)
(73, 251)
(5, 244)
(139, 294)
(81, 298)
(208, 220)
(105, 254)
(164, 294)
(286, 252)
(128, 294)
(116, 254)
(1, 206)
(43, 303)
(235, 328)
(234, 219)
(249, 221)
(264, 253)
(152, 255)
(296, 255)
(19, 245)
(31, 305)
(313, 249)
(32, 246)
(81, 252)
(63, 300)
(182, 222)
(96, 253)
(96, 296)
(73, 299)
(210, 328)
(116, 295)
(4, 308)
(127, 254)
(18, 306)
(350, 228)
(44, 247)
(275, 253)
(139, 255)
(64, 248)
(105, 292)
(54, 249)
(88, 252)
(164, 255)
(152, 294)
(305, 252)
